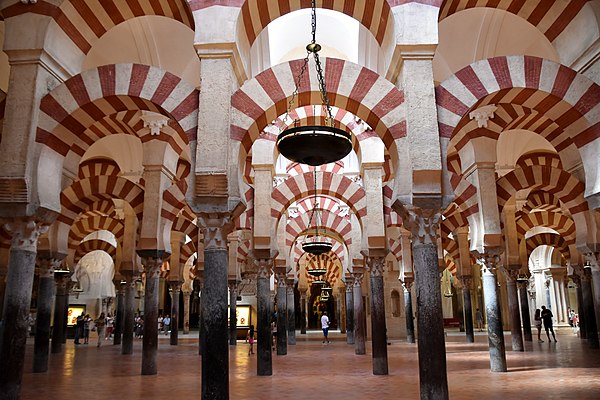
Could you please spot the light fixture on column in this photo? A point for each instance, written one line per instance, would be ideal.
(316, 245)
(315, 144)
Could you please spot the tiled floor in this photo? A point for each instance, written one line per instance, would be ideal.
(311, 370)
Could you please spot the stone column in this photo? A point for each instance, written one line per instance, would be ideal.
(62, 279)
(175, 291)
(291, 314)
(281, 315)
(525, 317)
(378, 327)
(128, 311)
(17, 300)
(466, 281)
(303, 311)
(233, 293)
(47, 263)
(494, 317)
(263, 297)
(349, 282)
(120, 286)
(588, 305)
(408, 310)
(152, 261)
(186, 312)
(200, 280)
(215, 346)
(580, 307)
(512, 273)
(359, 311)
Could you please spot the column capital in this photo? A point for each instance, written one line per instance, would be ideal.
(422, 223)
(25, 232)
(152, 260)
(407, 283)
(576, 280)
(489, 260)
(348, 282)
(358, 273)
(62, 279)
(375, 265)
(483, 114)
(511, 274)
(215, 228)
(47, 262)
(175, 286)
(466, 281)
(265, 267)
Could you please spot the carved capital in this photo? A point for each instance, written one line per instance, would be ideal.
(25, 232)
(483, 114)
(423, 224)
(62, 280)
(358, 278)
(281, 277)
(154, 121)
(152, 266)
(466, 281)
(265, 267)
(375, 265)
(511, 274)
(522, 282)
(407, 284)
(576, 280)
(47, 263)
(175, 286)
(348, 282)
(215, 228)
(489, 262)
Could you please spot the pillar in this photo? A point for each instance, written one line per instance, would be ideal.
(580, 307)
(118, 333)
(152, 261)
(512, 273)
(47, 263)
(186, 311)
(349, 282)
(359, 311)
(291, 314)
(175, 291)
(525, 316)
(62, 279)
(408, 310)
(303, 301)
(281, 314)
(378, 327)
(128, 311)
(263, 348)
(494, 317)
(466, 282)
(588, 305)
(233, 293)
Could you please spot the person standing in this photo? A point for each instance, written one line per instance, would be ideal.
(325, 326)
(100, 324)
(479, 318)
(538, 324)
(547, 319)
(87, 321)
(167, 324)
(79, 328)
(250, 338)
(110, 326)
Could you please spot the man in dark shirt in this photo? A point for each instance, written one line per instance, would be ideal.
(78, 328)
(547, 319)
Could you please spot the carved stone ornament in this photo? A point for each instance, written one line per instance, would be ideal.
(215, 227)
(511, 274)
(489, 262)
(423, 224)
(47, 265)
(349, 282)
(358, 278)
(25, 233)
(265, 266)
(154, 121)
(483, 114)
(466, 281)
(375, 265)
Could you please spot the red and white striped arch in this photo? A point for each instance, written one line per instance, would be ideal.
(329, 261)
(84, 22)
(338, 249)
(540, 200)
(450, 264)
(351, 87)
(328, 184)
(559, 222)
(97, 167)
(550, 17)
(71, 108)
(325, 203)
(99, 209)
(548, 239)
(187, 251)
(392, 218)
(539, 158)
(173, 200)
(330, 221)
(84, 226)
(243, 251)
(187, 227)
(396, 248)
(562, 95)
(246, 219)
(294, 168)
(92, 245)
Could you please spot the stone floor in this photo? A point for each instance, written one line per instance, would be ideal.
(563, 370)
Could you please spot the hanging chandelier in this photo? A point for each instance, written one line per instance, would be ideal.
(316, 272)
(313, 144)
(316, 245)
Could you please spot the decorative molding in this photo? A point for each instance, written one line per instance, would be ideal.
(215, 228)
(375, 265)
(154, 121)
(424, 224)
(214, 184)
(25, 233)
(483, 114)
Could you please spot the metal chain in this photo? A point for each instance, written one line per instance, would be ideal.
(313, 23)
(323, 90)
(297, 85)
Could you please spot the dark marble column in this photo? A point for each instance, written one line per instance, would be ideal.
(526, 318)
(512, 273)
(175, 287)
(186, 311)
(3, 274)
(303, 311)
(349, 282)
(281, 314)
(494, 317)
(128, 312)
(580, 307)
(120, 314)
(408, 310)
(17, 300)
(63, 279)
(152, 261)
(263, 297)
(233, 294)
(466, 281)
(359, 311)
(291, 314)
(47, 263)
(588, 305)
(200, 280)
(378, 326)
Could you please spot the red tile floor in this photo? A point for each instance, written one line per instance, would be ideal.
(311, 370)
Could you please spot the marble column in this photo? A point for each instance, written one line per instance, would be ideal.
(215, 346)
(175, 292)
(152, 261)
(118, 333)
(233, 293)
(408, 310)
(186, 312)
(588, 305)
(595, 285)
(291, 314)
(303, 311)
(128, 311)
(62, 279)
(349, 282)
(263, 296)
(580, 307)
(281, 314)
(466, 281)
(200, 280)
(525, 317)
(47, 264)
(512, 273)
(359, 311)
(378, 326)
(494, 317)
(17, 300)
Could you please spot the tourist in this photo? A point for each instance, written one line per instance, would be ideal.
(274, 332)
(250, 339)
(100, 324)
(538, 324)
(325, 326)
(79, 328)
(167, 324)
(110, 326)
(479, 318)
(547, 319)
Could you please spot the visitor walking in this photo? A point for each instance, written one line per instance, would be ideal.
(250, 339)
(538, 324)
(167, 324)
(100, 325)
(325, 326)
(479, 318)
(110, 326)
(79, 328)
(547, 319)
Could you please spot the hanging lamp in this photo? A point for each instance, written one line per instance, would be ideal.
(313, 144)
(316, 245)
